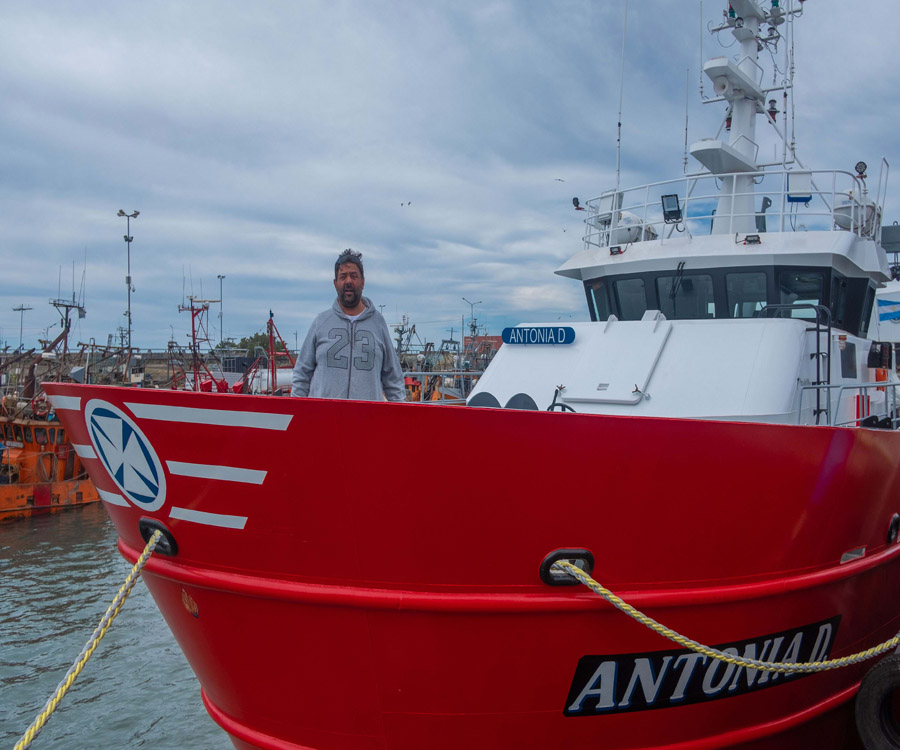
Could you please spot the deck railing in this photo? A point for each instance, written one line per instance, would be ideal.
(790, 200)
(876, 404)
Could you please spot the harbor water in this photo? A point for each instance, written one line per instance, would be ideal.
(58, 574)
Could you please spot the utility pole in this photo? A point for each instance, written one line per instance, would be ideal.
(21, 310)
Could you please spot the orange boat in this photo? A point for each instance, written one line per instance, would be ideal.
(40, 472)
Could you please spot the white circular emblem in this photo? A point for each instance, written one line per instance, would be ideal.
(127, 455)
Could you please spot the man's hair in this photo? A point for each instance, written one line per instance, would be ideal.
(349, 256)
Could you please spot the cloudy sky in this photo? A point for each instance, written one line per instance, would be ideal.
(258, 139)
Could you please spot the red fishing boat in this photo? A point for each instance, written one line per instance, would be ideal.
(718, 446)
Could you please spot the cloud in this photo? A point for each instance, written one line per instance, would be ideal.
(258, 140)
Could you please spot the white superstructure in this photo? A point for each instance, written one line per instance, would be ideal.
(743, 291)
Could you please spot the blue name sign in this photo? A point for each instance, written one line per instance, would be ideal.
(539, 335)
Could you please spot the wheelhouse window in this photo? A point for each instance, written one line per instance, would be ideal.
(734, 292)
(838, 300)
(686, 296)
(745, 293)
(867, 311)
(28, 438)
(801, 288)
(40, 435)
(599, 299)
(631, 298)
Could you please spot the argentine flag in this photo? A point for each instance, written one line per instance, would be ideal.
(889, 309)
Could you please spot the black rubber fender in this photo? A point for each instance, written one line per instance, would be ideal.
(877, 704)
(484, 399)
(521, 401)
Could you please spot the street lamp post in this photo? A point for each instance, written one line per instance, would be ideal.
(21, 310)
(221, 329)
(128, 239)
(472, 316)
(47, 332)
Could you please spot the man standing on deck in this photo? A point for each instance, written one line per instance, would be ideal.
(348, 352)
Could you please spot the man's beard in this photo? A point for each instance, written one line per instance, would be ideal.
(353, 299)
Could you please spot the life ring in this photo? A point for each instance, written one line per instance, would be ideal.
(876, 714)
(40, 407)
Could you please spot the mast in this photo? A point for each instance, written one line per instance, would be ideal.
(738, 82)
(199, 310)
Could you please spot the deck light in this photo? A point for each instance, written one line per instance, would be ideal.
(671, 209)
(739, 23)
(773, 108)
(616, 250)
(577, 204)
(861, 168)
(752, 239)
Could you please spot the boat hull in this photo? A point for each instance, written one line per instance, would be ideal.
(331, 590)
(23, 500)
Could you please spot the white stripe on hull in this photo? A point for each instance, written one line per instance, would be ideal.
(84, 451)
(208, 519)
(113, 498)
(72, 403)
(212, 471)
(218, 417)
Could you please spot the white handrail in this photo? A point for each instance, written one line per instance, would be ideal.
(836, 203)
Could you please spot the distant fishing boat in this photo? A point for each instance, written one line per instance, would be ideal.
(40, 471)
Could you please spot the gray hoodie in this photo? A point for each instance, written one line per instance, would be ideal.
(355, 359)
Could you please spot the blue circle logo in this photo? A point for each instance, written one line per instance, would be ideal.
(127, 455)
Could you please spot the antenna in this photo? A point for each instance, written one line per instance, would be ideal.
(702, 95)
(621, 96)
(687, 86)
(83, 277)
(789, 52)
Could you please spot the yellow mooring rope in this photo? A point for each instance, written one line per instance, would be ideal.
(38, 724)
(765, 666)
